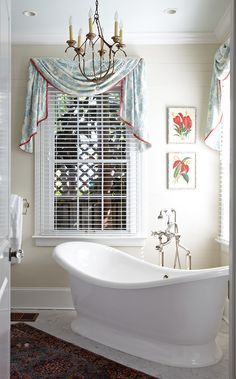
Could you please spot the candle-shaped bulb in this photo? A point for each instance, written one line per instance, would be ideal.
(121, 32)
(90, 20)
(70, 29)
(116, 26)
(79, 37)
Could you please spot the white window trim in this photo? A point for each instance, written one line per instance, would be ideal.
(137, 241)
(127, 240)
(224, 170)
(223, 242)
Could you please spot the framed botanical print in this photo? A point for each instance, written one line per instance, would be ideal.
(181, 170)
(181, 125)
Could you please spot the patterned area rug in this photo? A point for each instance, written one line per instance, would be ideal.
(24, 317)
(38, 355)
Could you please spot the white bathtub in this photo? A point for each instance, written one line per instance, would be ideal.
(127, 304)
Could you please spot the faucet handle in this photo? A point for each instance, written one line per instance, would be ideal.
(155, 233)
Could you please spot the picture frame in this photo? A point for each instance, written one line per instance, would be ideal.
(181, 125)
(181, 170)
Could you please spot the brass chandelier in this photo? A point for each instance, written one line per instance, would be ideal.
(96, 56)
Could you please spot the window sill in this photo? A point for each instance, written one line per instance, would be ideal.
(222, 242)
(224, 247)
(113, 241)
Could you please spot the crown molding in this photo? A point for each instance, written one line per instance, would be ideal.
(222, 30)
(170, 38)
(130, 39)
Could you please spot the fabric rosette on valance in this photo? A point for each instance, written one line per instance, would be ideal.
(221, 71)
(64, 75)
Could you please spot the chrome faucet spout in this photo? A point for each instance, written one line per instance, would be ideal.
(174, 211)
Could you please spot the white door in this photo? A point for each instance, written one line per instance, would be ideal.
(4, 188)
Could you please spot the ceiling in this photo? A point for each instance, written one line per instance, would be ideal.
(145, 22)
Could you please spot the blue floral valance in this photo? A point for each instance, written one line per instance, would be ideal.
(221, 70)
(64, 75)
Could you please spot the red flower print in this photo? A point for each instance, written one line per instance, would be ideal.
(177, 120)
(182, 124)
(181, 169)
(187, 122)
(176, 163)
(184, 168)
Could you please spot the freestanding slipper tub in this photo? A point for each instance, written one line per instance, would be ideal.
(160, 314)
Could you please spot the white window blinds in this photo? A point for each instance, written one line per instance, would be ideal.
(87, 168)
(225, 164)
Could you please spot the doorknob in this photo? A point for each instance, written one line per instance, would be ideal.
(18, 254)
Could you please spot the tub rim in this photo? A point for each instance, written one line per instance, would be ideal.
(188, 275)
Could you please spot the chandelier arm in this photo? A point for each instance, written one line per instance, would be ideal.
(108, 68)
(82, 71)
(94, 70)
(83, 43)
(100, 67)
(119, 49)
(107, 44)
(123, 52)
(84, 68)
(94, 43)
(85, 48)
(112, 58)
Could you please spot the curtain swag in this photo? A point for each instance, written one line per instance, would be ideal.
(64, 75)
(221, 70)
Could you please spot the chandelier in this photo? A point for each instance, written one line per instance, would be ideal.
(96, 56)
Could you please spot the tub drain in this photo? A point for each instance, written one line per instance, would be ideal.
(165, 276)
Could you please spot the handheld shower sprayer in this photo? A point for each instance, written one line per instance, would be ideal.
(160, 216)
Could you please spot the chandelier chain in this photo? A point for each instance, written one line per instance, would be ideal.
(96, 14)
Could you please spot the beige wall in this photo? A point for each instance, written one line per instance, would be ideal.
(176, 75)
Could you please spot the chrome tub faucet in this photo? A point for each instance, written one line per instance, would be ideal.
(165, 237)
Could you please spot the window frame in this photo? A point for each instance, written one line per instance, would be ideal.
(224, 170)
(112, 239)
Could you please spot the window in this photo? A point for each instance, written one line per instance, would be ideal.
(225, 163)
(87, 169)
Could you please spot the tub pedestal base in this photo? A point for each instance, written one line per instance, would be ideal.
(188, 356)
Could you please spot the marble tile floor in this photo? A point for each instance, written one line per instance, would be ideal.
(57, 323)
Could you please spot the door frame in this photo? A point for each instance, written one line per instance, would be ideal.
(232, 292)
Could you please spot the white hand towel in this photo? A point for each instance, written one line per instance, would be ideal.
(16, 222)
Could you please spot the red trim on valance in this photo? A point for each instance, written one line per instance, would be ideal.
(212, 130)
(226, 76)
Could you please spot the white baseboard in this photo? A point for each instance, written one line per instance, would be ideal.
(41, 298)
